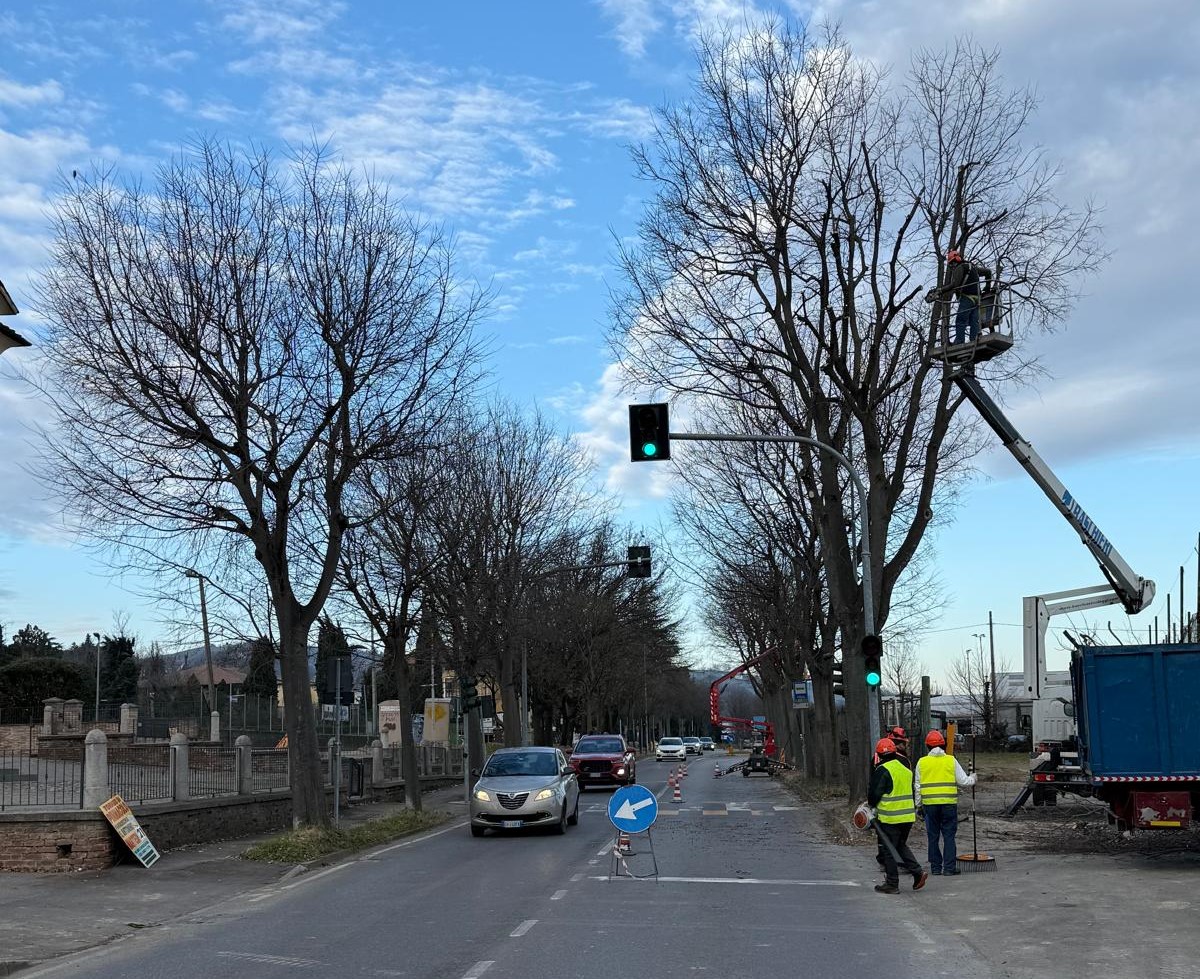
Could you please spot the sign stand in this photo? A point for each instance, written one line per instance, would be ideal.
(632, 810)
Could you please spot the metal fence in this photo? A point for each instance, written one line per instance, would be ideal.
(212, 772)
(269, 770)
(140, 772)
(29, 782)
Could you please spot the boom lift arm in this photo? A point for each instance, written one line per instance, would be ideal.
(1132, 590)
(714, 700)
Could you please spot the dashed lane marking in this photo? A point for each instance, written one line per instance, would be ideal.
(523, 927)
(558, 895)
(478, 969)
(285, 960)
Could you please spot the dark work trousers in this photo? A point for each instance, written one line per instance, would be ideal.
(898, 834)
(941, 825)
(967, 318)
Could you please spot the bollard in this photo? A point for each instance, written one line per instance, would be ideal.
(180, 787)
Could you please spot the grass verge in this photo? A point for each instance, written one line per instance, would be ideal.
(302, 845)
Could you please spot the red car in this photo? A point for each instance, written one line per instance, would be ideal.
(603, 759)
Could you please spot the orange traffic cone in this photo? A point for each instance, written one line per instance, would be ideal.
(685, 768)
(677, 796)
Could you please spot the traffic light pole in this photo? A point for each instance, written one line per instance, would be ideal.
(864, 531)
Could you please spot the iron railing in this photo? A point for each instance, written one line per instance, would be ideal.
(269, 770)
(29, 782)
(212, 772)
(140, 772)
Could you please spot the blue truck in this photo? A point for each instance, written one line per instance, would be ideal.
(1137, 747)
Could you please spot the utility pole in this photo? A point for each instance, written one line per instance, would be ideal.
(96, 719)
(193, 573)
(525, 739)
(992, 651)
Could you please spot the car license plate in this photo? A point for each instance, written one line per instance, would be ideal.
(512, 824)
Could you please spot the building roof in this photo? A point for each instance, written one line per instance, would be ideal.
(221, 674)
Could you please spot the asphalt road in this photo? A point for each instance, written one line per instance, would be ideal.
(745, 889)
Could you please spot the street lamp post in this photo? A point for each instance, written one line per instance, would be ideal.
(193, 573)
(989, 688)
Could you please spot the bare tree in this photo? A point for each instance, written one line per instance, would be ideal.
(227, 350)
(970, 676)
(803, 203)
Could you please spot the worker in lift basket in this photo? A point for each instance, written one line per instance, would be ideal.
(962, 277)
(890, 795)
(935, 787)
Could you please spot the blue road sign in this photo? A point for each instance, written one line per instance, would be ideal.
(633, 809)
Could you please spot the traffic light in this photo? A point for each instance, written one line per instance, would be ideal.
(872, 651)
(649, 433)
(639, 562)
(839, 681)
(468, 694)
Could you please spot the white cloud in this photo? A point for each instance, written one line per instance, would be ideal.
(636, 22)
(23, 96)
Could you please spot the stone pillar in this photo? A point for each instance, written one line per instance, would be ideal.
(179, 767)
(377, 772)
(129, 718)
(52, 715)
(95, 769)
(72, 716)
(214, 726)
(245, 765)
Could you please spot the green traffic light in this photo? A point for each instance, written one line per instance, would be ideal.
(649, 449)
(873, 679)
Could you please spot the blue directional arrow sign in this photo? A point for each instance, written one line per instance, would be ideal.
(633, 809)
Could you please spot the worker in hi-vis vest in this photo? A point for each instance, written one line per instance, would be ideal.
(890, 795)
(935, 787)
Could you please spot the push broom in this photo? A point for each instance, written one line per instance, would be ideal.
(975, 862)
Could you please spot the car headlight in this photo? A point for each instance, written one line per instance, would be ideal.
(544, 794)
(621, 770)
(482, 795)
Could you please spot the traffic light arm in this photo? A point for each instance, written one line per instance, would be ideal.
(584, 567)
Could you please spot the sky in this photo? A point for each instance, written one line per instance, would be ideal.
(511, 124)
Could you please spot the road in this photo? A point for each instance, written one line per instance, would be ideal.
(746, 889)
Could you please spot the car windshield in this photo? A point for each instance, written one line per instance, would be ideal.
(691, 740)
(670, 741)
(521, 763)
(599, 746)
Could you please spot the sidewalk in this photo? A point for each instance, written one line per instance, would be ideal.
(43, 916)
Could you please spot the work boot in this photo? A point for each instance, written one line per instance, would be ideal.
(920, 879)
(887, 889)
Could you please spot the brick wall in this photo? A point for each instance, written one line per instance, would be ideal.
(16, 738)
(56, 841)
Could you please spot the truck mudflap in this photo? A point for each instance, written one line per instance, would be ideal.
(1159, 810)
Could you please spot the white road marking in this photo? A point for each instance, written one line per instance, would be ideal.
(558, 895)
(523, 927)
(786, 808)
(309, 878)
(919, 933)
(272, 959)
(575, 878)
(742, 880)
(478, 969)
(603, 850)
(593, 861)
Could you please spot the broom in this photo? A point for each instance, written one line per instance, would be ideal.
(975, 862)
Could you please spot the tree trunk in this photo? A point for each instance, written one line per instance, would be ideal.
(309, 806)
(408, 747)
(510, 694)
(823, 747)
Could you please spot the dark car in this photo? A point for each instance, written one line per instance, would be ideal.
(603, 759)
(1017, 742)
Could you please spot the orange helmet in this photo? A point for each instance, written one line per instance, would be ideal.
(897, 734)
(935, 739)
(885, 746)
(954, 255)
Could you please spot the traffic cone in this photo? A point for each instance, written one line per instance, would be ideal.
(716, 771)
(685, 768)
(671, 780)
(623, 843)
(677, 796)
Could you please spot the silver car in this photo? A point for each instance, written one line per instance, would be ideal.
(521, 787)
(670, 749)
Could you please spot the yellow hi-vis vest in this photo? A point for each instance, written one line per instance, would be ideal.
(938, 784)
(897, 806)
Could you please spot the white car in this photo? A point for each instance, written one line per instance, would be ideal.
(670, 749)
(693, 746)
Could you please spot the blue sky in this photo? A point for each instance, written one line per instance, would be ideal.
(510, 122)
